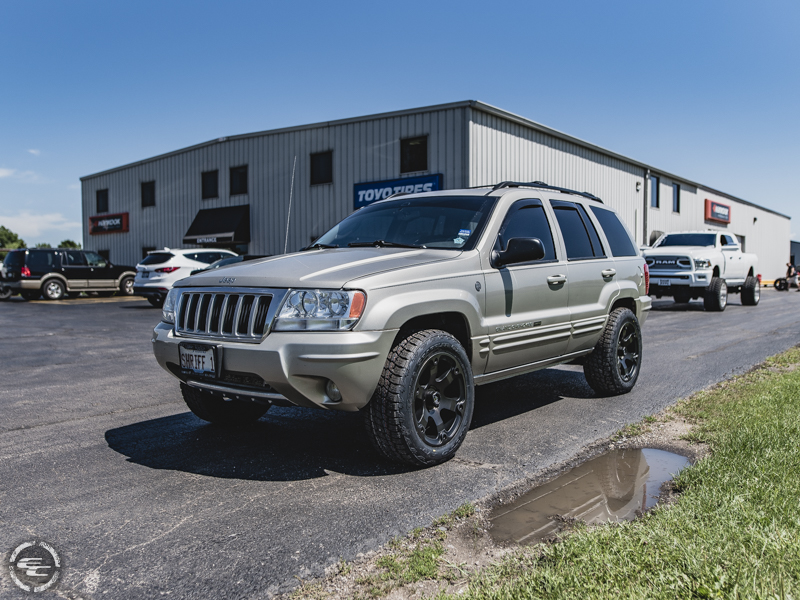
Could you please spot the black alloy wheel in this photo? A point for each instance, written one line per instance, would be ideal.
(439, 399)
(614, 365)
(422, 408)
(628, 352)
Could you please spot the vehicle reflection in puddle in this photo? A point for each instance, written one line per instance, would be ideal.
(611, 487)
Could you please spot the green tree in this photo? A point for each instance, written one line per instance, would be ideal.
(69, 244)
(9, 239)
(43, 245)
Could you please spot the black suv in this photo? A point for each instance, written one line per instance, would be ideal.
(56, 273)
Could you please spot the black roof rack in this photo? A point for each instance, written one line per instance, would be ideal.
(541, 184)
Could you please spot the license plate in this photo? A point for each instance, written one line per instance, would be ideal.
(199, 359)
(664, 282)
(145, 274)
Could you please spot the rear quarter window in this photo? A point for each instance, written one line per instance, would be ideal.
(43, 260)
(618, 238)
(157, 258)
(15, 259)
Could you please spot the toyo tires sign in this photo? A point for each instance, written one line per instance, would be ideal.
(367, 193)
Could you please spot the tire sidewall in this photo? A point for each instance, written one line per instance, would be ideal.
(441, 342)
(124, 290)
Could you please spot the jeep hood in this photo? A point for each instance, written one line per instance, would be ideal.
(330, 268)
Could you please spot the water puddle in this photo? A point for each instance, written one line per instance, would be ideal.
(611, 487)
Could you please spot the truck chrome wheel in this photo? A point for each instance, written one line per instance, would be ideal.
(439, 399)
(628, 351)
(54, 290)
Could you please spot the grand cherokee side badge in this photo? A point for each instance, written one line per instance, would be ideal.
(227, 280)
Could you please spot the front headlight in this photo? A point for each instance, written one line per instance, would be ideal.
(170, 305)
(320, 310)
(702, 263)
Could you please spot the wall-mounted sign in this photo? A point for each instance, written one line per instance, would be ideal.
(716, 211)
(367, 193)
(108, 223)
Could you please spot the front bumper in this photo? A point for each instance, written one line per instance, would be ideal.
(664, 280)
(296, 365)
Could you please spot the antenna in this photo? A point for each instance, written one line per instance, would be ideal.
(289, 215)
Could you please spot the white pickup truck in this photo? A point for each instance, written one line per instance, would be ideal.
(702, 264)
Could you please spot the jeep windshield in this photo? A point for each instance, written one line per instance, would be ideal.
(687, 239)
(443, 222)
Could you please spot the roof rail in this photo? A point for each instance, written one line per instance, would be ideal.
(541, 184)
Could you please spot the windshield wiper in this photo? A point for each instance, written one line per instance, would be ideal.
(317, 247)
(381, 244)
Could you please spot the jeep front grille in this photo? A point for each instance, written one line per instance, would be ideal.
(240, 314)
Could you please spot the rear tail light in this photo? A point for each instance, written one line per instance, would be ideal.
(759, 278)
(646, 279)
(25, 272)
(167, 269)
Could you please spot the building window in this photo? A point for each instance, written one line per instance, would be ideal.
(105, 254)
(322, 167)
(676, 197)
(102, 200)
(238, 180)
(146, 249)
(414, 154)
(210, 184)
(654, 200)
(148, 193)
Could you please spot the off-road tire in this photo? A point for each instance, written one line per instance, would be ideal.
(215, 409)
(156, 301)
(751, 291)
(30, 295)
(715, 297)
(614, 365)
(682, 296)
(403, 402)
(126, 286)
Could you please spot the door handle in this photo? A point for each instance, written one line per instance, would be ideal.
(608, 272)
(554, 279)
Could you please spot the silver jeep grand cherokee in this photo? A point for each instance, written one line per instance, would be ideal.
(406, 305)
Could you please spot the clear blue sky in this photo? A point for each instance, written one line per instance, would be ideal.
(707, 90)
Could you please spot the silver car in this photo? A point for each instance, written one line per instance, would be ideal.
(402, 308)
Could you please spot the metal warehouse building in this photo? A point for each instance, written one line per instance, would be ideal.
(235, 192)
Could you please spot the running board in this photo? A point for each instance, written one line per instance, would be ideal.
(520, 370)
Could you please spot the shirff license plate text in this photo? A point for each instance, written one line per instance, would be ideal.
(198, 359)
(664, 282)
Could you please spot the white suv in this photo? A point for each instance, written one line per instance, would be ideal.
(160, 269)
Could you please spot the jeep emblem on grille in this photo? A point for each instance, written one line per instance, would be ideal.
(227, 280)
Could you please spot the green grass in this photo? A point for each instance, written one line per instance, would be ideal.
(733, 533)
(404, 567)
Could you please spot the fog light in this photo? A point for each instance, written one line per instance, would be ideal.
(333, 391)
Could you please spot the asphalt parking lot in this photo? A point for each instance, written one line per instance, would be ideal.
(100, 457)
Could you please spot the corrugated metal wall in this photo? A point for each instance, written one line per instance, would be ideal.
(469, 146)
(363, 151)
(502, 149)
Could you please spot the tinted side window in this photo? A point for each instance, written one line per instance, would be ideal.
(597, 246)
(576, 237)
(527, 219)
(618, 238)
(75, 258)
(95, 260)
(43, 260)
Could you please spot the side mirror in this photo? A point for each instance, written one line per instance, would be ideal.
(518, 250)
